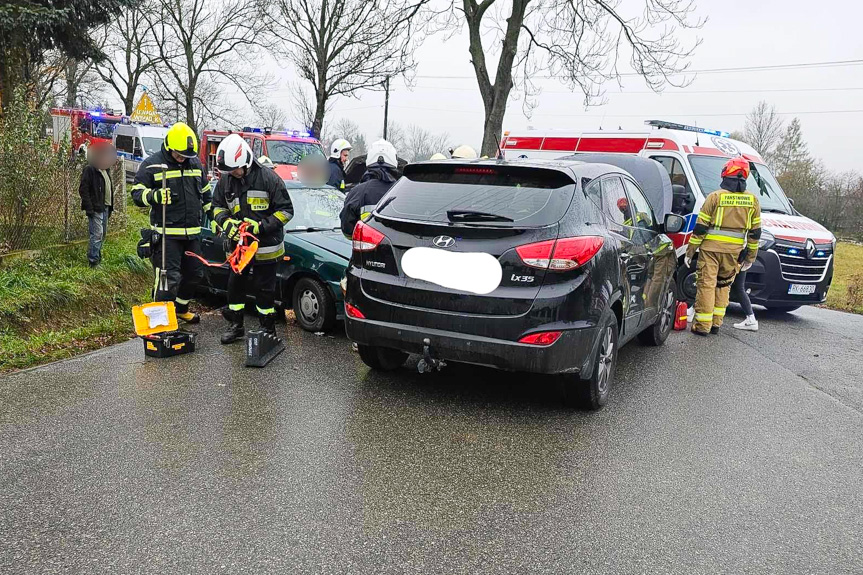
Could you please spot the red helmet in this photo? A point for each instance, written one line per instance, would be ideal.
(622, 204)
(736, 167)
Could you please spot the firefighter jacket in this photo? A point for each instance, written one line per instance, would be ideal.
(728, 223)
(362, 199)
(259, 196)
(337, 174)
(189, 190)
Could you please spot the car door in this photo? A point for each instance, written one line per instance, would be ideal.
(632, 254)
(656, 246)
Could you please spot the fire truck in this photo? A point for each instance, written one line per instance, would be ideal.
(83, 127)
(795, 255)
(284, 148)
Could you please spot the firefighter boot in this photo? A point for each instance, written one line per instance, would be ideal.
(235, 330)
(183, 312)
(268, 323)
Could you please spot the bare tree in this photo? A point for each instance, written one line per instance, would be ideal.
(199, 49)
(420, 144)
(764, 130)
(303, 105)
(270, 115)
(350, 131)
(83, 84)
(579, 42)
(128, 42)
(342, 46)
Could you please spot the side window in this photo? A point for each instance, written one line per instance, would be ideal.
(641, 207)
(592, 191)
(683, 199)
(258, 147)
(614, 202)
(124, 143)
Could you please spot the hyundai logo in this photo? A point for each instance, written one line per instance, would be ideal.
(443, 242)
(810, 249)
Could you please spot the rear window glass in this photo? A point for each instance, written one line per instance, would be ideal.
(528, 196)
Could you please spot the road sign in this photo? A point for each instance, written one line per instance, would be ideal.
(145, 111)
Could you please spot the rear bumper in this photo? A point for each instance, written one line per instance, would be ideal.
(572, 353)
(768, 287)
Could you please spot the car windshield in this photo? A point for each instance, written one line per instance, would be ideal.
(152, 145)
(316, 208)
(500, 195)
(282, 152)
(761, 183)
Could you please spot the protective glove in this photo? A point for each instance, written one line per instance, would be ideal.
(253, 227)
(232, 229)
(745, 266)
(687, 261)
(161, 196)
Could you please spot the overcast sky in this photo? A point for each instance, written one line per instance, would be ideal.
(738, 32)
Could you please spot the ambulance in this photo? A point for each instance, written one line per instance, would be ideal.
(795, 255)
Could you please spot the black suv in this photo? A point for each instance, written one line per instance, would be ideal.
(536, 266)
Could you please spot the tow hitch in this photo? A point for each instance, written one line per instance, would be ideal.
(428, 364)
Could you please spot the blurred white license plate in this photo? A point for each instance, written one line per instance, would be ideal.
(801, 289)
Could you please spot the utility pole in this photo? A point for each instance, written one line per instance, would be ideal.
(386, 104)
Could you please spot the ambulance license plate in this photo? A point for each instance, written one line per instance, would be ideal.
(801, 289)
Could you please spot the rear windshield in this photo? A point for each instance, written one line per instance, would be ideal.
(530, 197)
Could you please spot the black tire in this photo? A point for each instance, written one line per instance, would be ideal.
(684, 283)
(381, 358)
(657, 333)
(783, 308)
(592, 392)
(314, 305)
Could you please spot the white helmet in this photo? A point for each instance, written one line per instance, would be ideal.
(233, 153)
(337, 147)
(463, 152)
(437, 156)
(266, 162)
(382, 153)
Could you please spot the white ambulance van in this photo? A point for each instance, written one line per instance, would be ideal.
(134, 142)
(795, 256)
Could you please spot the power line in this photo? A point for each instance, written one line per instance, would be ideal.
(675, 93)
(797, 66)
(643, 115)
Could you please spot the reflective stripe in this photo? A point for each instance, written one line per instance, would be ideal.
(195, 173)
(235, 209)
(283, 217)
(704, 317)
(728, 233)
(236, 306)
(169, 175)
(178, 231)
(720, 213)
(719, 238)
(258, 200)
(696, 241)
(266, 310)
(752, 245)
(182, 301)
(207, 207)
(705, 216)
(218, 211)
(270, 252)
(257, 194)
(207, 188)
(736, 200)
(719, 311)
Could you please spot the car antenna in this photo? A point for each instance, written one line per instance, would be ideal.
(500, 158)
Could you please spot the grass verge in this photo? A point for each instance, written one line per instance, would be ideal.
(846, 292)
(53, 306)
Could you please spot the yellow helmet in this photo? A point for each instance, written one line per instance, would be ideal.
(182, 139)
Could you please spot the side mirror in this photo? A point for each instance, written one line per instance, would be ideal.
(673, 224)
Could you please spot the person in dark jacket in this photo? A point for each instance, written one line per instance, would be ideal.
(340, 151)
(97, 196)
(188, 197)
(251, 193)
(381, 174)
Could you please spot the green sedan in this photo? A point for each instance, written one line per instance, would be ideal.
(316, 255)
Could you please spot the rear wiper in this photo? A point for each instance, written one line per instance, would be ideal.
(473, 216)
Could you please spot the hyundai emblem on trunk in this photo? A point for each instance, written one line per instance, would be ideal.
(443, 242)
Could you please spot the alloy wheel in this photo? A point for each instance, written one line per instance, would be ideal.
(606, 357)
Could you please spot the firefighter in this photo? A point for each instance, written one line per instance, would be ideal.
(729, 221)
(340, 150)
(381, 174)
(252, 193)
(188, 197)
(463, 152)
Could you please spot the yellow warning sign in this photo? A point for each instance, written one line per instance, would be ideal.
(145, 111)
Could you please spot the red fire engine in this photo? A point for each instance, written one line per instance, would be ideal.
(284, 148)
(83, 127)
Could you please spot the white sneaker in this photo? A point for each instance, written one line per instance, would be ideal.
(690, 314)
(747, 325)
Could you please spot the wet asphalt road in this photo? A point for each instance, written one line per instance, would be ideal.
(737, 454)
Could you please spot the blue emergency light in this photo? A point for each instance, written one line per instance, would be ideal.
(793, 251)
(685, 128)
(96, 114)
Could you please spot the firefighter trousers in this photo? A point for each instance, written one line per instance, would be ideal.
(184, 272)
(261, 278)
(714, 276)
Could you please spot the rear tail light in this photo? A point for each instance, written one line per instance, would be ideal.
(541, 338)
(353, 311)
(365, 238)
(560, 255)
